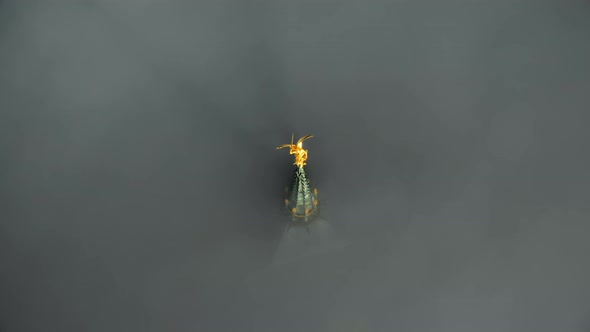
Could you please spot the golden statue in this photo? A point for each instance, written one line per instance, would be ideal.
(297, 150)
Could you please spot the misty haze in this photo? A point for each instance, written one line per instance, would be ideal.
(140, 187)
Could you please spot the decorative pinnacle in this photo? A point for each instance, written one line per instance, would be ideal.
(297, 150)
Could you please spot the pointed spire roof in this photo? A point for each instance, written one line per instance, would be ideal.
(302, 201)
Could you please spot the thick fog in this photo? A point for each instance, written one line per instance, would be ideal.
(140, 188)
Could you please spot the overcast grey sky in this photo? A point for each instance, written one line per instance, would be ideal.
(141, 190)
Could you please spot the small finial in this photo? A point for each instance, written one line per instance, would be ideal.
(297, 150)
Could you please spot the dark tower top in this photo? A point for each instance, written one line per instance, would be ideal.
(302, 201)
